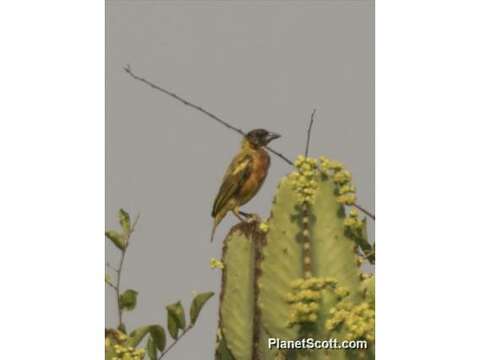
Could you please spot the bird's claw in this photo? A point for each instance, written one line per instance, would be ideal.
(253, 218)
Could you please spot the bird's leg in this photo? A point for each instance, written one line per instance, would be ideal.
(239, 214)
(251, 217)
(247, 215)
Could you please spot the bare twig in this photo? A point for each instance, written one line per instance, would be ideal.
(307, 146)
(366, 212)
(129, 71)
(281, 156)
(134, 224)
(309, 132)
(111, 285)
(182, 100)
(112, 267)
(369, 256)
(187, 329)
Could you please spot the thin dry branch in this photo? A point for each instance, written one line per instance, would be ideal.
(309, 132)
(366, 212)
(172, 345)
(129, 71)
(112, 267)
(208, 113)
(182, 100)
(307, 147)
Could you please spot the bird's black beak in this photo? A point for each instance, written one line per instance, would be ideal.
(272, 136)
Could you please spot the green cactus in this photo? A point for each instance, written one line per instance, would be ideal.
(241, 336)
(237, 296)
(298, 274)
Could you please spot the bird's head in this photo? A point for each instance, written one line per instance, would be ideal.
(260, 137)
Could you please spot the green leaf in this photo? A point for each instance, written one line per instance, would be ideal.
(172, 326)
(176, 318)
(108, 279)
(137, 335)
(124, 219)
(151, 349)
(117, 238)
(128, 300)
(158, 336)
(222, 352)
(197, 304)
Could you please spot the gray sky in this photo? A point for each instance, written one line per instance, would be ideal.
(255, 64)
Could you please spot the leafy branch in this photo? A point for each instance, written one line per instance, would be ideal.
(119, 345)
(121, 240)
(129, 71)
(176, 325)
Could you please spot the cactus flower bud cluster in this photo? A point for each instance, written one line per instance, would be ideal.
(263, 227)
(305, 297)
(346, 192)
(128, 353)
(115, 342)
(303, 179)
(353, 224)
(306, 252)
(216, 264)
(357, 321)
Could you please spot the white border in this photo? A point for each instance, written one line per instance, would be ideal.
(52, 182)
(52, 179)
(427, 167)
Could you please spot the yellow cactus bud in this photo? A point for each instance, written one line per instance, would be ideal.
(216, 264)
(264, 227)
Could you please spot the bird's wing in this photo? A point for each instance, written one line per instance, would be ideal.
(237, 173)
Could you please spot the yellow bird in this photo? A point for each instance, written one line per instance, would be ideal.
(244, 176)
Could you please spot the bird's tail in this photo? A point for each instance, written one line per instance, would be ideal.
(216, 220)
(215, 224)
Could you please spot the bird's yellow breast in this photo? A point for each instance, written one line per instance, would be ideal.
(260, 166)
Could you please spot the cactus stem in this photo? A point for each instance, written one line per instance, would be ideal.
(256, 237)
(307, 256)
